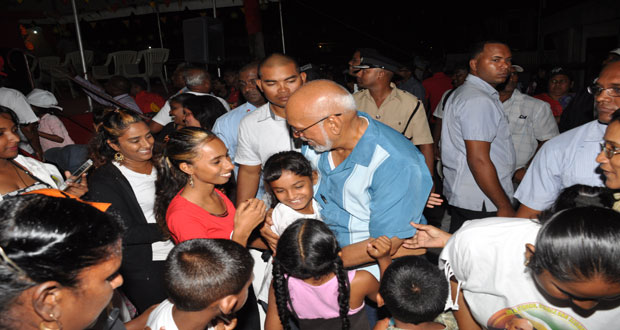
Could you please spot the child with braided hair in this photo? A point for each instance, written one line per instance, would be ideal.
(310, 285)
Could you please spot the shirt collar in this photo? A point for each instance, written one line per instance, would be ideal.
(596, 133)
(268, 114)
(481, 84)
(516, 95)
(393, 94)
(364, 149)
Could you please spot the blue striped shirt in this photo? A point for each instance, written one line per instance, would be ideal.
(377, 190)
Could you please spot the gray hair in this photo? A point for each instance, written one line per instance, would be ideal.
(195, 77)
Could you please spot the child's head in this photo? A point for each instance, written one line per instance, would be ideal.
(290, 177)
(414, 290)
(202, 273)
(308, 249)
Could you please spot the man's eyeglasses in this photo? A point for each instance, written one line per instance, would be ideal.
(596, 90)
(297, 133)
(609, 152)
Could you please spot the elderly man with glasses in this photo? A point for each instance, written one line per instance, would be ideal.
(570, 158)
(373, 180)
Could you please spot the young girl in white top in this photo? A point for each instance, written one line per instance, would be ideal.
(290, 178)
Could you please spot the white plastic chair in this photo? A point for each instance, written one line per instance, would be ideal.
(120, 59)
(74, 60)
(154, 60)
(71, 65)
(45, 65)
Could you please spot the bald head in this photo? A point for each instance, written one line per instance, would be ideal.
(320, 98)
(276, 60)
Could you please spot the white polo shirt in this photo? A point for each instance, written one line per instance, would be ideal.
(262, 134)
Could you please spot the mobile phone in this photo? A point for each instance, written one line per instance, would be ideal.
(77, 174)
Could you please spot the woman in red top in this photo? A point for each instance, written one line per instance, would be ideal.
(188, 205)
(194, 162)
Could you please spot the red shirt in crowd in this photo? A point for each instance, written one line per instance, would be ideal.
(149, 102)
(556, 107)
(435, 87)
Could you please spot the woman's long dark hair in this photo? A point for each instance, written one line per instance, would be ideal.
(579, 243)
(50, 239)
(206, 109)
(180, 147)
(308, 249)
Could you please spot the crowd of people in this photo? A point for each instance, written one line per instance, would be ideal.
(289, 202)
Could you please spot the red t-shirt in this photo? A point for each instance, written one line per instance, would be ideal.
(556, 107)
(187, 220)
(435, 87)
(149, 102)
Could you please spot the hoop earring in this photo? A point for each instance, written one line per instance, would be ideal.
(191, 181)
(118, 157)
(43, 326)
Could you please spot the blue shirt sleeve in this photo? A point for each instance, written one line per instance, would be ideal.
(542, 181)
(397, 199)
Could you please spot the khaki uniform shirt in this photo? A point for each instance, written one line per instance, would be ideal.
(395, 112)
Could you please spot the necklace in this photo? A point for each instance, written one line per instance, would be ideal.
(15, 167)
(223, 214)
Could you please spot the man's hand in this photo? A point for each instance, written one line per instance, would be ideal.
(519, 174)
(379, 247)
(433, 200)
(427, 236)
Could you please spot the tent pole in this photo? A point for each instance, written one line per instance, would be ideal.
(161, 38)
(81, 47)
(282, 27)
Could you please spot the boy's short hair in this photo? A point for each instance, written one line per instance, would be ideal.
(414, 290)
(201, 271)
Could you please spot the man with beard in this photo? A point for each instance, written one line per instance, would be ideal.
(264, 132)
(373, 181)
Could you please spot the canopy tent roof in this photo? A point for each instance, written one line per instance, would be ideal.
(60, 11)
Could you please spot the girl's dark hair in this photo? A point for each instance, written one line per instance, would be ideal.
(181, 98)
(113, 125)
(51, 239)
(577, 196)
(206, 109)
(11, 113)
(578, 244)
(308, 249)
(285, 161)
(181, 147)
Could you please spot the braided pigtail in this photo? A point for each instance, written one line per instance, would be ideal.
(280, 288)
(343, 293)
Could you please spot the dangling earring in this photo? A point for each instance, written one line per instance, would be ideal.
(191, 181)
(118, 157)
(43, 326)
(527, 262)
